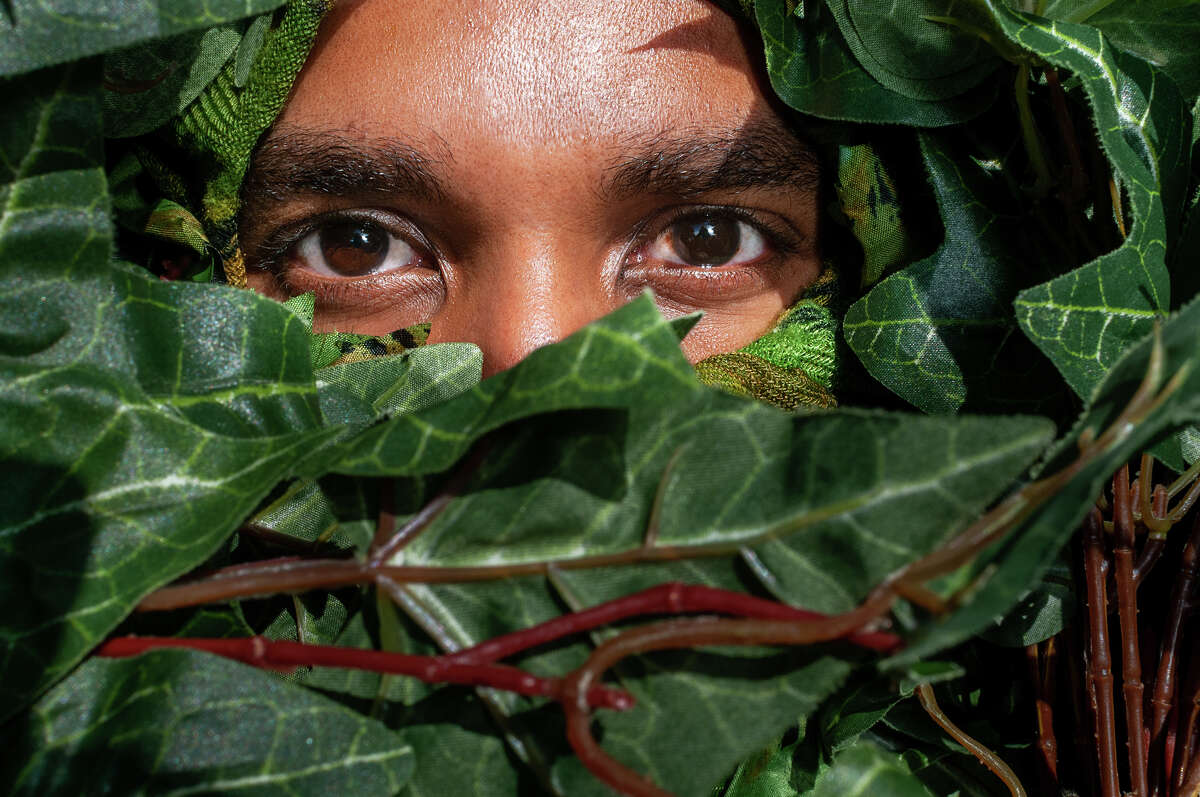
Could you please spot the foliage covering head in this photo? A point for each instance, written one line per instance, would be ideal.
(1023, 188)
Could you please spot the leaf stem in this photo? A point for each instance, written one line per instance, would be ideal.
(686, 633)
(986, 757)
(1029, 133)
(286, 655)
(670, 598)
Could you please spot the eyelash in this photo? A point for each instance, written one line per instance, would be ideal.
(781, 239)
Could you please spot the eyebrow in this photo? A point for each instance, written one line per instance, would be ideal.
(333, 164)
(677, 163)
(761, 154)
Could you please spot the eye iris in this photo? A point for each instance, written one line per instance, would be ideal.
(354, 248)
(706, 240)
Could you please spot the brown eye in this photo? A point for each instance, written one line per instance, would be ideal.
(353, 248)
(708, 240)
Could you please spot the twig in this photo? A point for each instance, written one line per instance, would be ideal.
(1185, 747)
(986, 757)
(1100, 662)
(1085, 752)
(286, 655)
(1163, 696)
(1041, 673)
(1127, 609)
(1156, 543)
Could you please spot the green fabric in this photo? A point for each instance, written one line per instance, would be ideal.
(794, 364)
(225, 122)
(868, 201)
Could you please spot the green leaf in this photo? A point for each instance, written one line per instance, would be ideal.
(138, 425)
(400, 384)
(864, 769)
(179, 722)
(814, 71)
(910, 54)
(1161, 31)
(1083, 320)
(34, 34)
(940, 332)
(177, 69)
(1019, 562)
(547, 381)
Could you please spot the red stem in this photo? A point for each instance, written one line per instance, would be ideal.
(285, 655)
(686, 633)
(670, 598)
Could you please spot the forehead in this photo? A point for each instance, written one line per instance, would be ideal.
(519, 74)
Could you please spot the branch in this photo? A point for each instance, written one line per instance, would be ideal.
(1100, 670)
(985, 756)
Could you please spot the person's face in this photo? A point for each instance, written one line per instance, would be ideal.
(511, 171)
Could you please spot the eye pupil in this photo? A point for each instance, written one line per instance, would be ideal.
(354, 248)
(706, 240)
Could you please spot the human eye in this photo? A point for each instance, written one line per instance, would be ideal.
(708, 239)
(352, 246)
(710, 256)
(372, 270)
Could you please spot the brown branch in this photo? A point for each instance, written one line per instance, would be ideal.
(1100, 663)
(1155, 544)
(1042, 674)
(1163, 697)
(1127, 609)
(985, 756)
(286, 655)
(1185, 747)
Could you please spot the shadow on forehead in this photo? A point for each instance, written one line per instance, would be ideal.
(710, 35)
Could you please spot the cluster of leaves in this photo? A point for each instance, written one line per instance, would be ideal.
(149, 428)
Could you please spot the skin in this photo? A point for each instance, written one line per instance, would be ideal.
(541, 125)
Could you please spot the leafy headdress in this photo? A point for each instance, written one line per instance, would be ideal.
(180, 180)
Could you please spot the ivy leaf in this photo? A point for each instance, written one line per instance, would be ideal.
(187, 63)
(401, 384)
(546, 381)
(940, 332)
(1162, 32)
(813, 70)
(35, 35)
(138, 425)
(1021, 560)
(864, 769)
(1083, 320)
(910, 54)
(176, 722)
(825, 523)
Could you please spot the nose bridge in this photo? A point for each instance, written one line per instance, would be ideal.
(532, 289)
